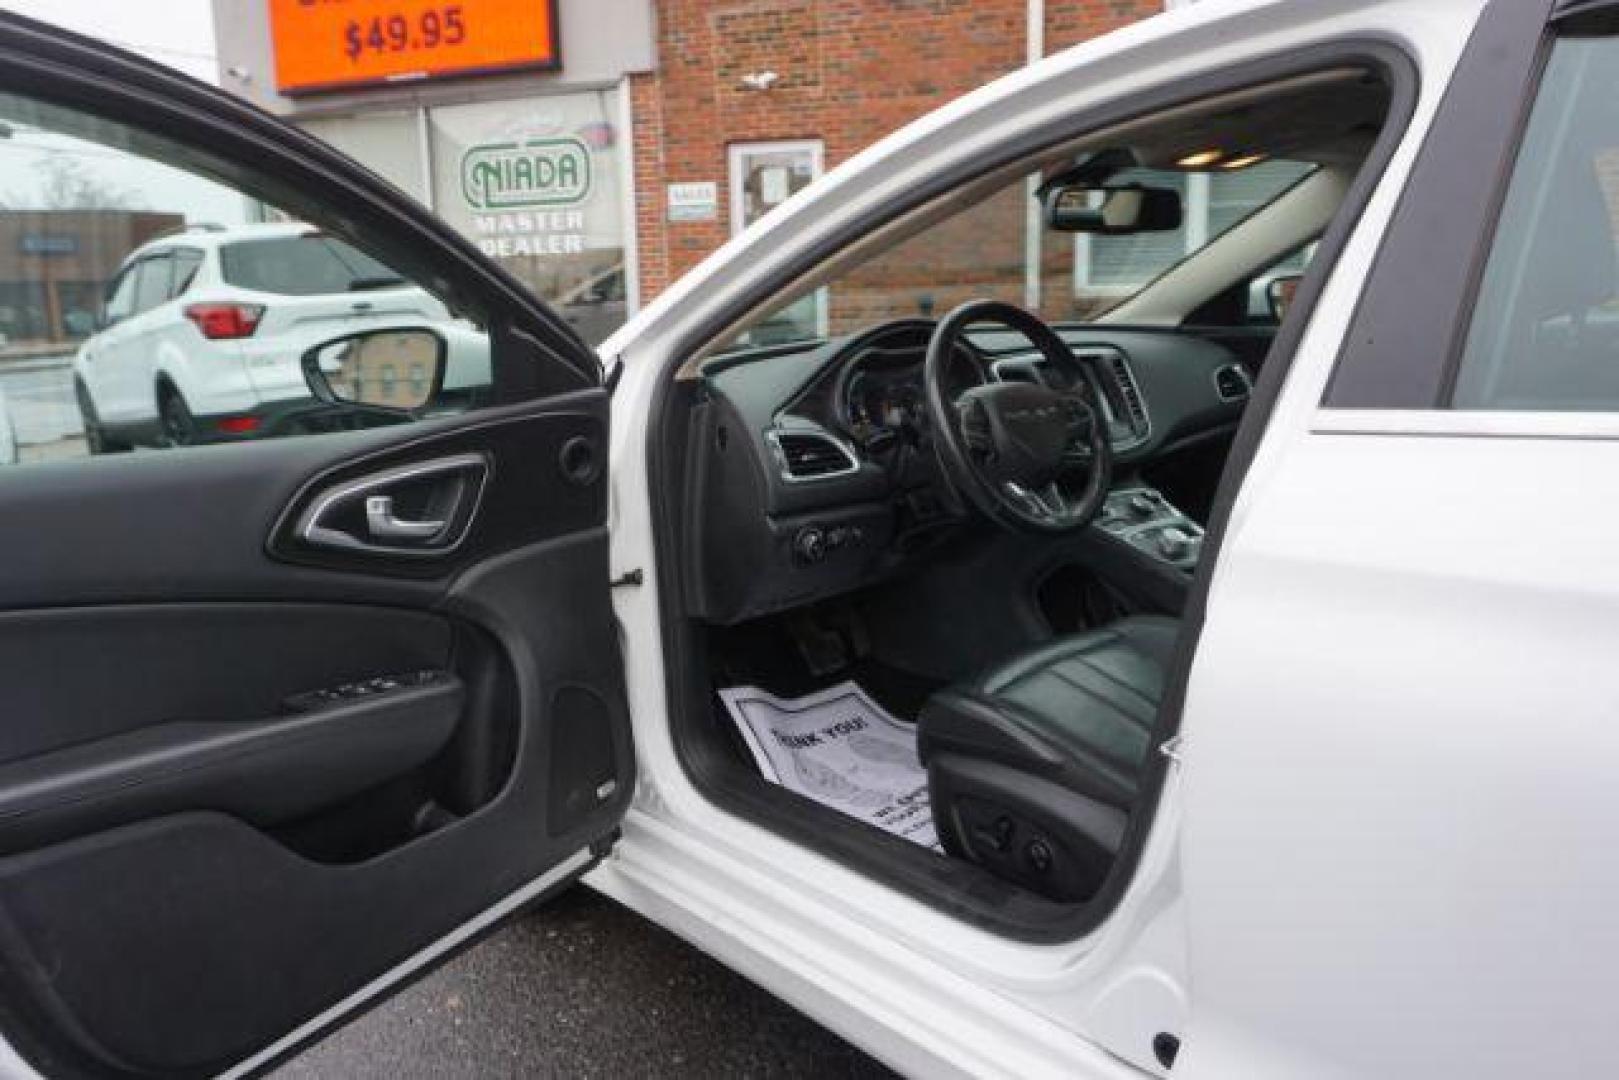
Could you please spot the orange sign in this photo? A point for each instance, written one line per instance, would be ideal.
(331, 44)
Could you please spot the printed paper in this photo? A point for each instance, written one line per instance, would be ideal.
(841, 749)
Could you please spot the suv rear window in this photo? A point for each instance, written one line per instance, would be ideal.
(302, 266)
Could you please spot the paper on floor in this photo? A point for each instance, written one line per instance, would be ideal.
(841, 749)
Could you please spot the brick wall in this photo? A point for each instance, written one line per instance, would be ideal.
(851, 71)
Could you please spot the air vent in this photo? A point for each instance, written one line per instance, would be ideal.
(1129, 393)
(810, 455)
(1232, 383)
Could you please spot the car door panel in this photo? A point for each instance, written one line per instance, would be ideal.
(71, 675)
(255, 891)
(264, 771)
(247, 780)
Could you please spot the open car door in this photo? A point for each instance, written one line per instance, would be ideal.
(288, 714)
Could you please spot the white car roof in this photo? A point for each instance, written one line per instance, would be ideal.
(212, 238)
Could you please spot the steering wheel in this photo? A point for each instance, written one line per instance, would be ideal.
(1017, 450)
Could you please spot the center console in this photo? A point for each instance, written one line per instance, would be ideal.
(1142, 518)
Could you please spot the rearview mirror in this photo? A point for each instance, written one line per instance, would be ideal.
(400, 370)
(1112, 211)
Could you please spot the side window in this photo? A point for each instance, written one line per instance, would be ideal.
(152, 280)
(307, 264)
(1270, 293)
(187, 261)
(1107, 267)
(121, 297)
(162, 301)
(1545, 326)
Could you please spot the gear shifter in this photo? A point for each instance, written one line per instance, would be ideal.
(1148, 522)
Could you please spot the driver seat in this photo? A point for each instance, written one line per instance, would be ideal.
(1034, 766)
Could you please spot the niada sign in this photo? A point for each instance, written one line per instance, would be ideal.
(535, 172)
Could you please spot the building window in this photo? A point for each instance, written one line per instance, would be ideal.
(537, 183)
(766, 174)
(23, 315)
(763, 175)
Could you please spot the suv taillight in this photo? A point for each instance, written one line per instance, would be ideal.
(218, 321)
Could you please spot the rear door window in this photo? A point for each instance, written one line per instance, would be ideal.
(121, 297)
(307, 265)
(187, 261)
(152, 280)
(1545, 327)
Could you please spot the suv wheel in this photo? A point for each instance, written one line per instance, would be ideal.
(174, 416)
(96, 439)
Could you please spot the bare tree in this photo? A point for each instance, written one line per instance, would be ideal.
(67, 183)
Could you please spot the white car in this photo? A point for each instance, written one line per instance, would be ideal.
(202, 333)
(8, 434)
(1087, 679)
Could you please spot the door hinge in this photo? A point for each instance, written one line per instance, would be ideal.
(630, 579)
(1174, 748)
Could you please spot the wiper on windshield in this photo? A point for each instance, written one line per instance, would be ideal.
(364, 284)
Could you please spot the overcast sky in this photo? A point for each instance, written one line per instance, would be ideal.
(179, 33)
(176, 32)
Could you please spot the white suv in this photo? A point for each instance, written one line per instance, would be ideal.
(202, 333)
(8, 434)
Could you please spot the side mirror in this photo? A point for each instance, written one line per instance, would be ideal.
(1112, 211)
(1280, 294)
(398, 370)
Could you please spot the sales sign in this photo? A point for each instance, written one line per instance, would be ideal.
(694, 201)
(336, 44)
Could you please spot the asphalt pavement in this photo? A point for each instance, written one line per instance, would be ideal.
(583, 988)
(39, 395)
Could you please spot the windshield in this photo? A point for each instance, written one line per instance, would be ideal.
(986, 252)
(309, 265)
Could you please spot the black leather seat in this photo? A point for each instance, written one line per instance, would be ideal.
(1034, 766)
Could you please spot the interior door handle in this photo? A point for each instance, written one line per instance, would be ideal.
(359, 516)
(379, 518)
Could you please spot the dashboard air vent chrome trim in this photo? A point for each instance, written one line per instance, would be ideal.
(1232, 383)
(1136, 418)
(807, 454)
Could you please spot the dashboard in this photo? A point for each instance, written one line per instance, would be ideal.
(879, 389)
(813, 473)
